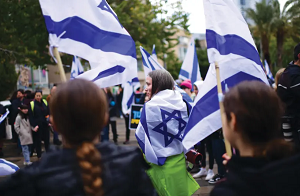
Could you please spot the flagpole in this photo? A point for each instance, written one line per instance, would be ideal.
(220, 94)
(59, 64)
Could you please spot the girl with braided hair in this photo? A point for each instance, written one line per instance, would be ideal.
(83, 167)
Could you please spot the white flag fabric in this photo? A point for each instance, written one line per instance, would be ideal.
(91, 30)
(154, 55)
(268, 71)
(128, 94)
(150, 64)
(161, 126)
(230, 43)
(2, 118)
(190, 67)
(7, 168)
(77, 68)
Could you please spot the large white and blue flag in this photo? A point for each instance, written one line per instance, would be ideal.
(190, 67)
(229, 42)
(268, 71)
(150, 64)
(154, 55)
(91, 30)
(77, 68)
(128, 94)
(161, 126)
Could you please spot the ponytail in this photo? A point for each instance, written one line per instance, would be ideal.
(90, 163)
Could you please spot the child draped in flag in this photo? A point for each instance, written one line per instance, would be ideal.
(159, 135)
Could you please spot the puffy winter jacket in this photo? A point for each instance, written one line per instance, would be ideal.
(58, 173)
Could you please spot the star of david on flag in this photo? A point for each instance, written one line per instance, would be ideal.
(162, 124)
(162, 128)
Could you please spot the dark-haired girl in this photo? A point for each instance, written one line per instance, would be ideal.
(24, 130)
(83, 167)
(39, 114)
(267, 164)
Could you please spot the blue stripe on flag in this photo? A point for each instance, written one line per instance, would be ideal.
(184, 73)
(232, 44)
(143, 121)
(141, 144)
(135, 79)
(10, 165)
(109, 72)
(80, 30)
(129, 102)
(209, 103)
(144, 61)
(161, 160)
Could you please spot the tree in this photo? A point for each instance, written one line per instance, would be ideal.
(282, 24)
(262, 16)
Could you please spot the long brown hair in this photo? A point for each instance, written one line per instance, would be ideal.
(258, 114)
(79, 112)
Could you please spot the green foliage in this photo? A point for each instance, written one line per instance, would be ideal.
(8, 80)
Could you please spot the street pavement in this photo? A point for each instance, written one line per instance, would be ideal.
(12, 154)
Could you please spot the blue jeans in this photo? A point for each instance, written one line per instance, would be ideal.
(26, 153)
(105, 134)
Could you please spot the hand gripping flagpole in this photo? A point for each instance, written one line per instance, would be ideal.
(59, 64)
(220, 95)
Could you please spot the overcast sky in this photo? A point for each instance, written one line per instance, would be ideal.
(197, 20)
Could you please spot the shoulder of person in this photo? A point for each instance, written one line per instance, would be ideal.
(121, 154)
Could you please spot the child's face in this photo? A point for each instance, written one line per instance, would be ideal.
(25, 111)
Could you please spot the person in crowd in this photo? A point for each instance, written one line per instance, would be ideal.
(197, 86)
(29, 96)
(16, 101)
(7, 168)
(113, 113)
(56, 140)
(252, 113)
(119, 100)
(83, 167)
(24, 130)
(288, 90)
(38, 116)
(187, 87)
(161, 115)
(277, 77)
(2, 130)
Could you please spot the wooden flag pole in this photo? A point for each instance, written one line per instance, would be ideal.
(220, 94)
(59, 64)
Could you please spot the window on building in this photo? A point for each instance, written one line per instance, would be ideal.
(183, 40)
(182, 53)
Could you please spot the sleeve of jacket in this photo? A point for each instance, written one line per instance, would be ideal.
(295, 86)
(32, 120)
(142, 183)
(19, 183)
(17, 125)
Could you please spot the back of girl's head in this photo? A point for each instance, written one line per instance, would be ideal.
(257, 109)
(23, 107)
(161, 80)
(258, 113)
(79, 112)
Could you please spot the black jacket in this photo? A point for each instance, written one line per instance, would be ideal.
(257, 177)
(2, 125)
(37, 117)
(58, 174)
(289, 90)
(14, 110)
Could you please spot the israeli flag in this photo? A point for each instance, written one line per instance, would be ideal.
(161, 126)
(268, 71)
(128, 94)
(91, 30)
(3, 117)
(77, 68)
(154, 56)
(150, 64)
(190, 67)
(7, 168)
(229, 43)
